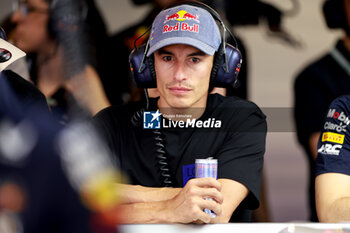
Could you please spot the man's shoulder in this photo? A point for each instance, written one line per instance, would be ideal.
(342, 103)
(114, 111)
(233, 107)
(118, 113)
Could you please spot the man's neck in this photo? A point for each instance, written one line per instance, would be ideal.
(194, 111)
(183, 114)
(173, 113)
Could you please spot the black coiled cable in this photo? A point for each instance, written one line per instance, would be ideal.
(162, 158)
(136, 120)
(137, 117)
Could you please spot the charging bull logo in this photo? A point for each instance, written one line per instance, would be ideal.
(181, 16)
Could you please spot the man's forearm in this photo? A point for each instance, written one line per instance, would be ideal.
(338, 211)
(138, 193)
(146, 212)
(182, 205)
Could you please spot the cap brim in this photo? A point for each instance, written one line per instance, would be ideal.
(182, 40)
(16, 53)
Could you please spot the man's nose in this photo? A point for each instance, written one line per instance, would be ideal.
(180, 71)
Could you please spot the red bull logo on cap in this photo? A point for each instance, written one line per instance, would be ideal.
(182, 15)
(184, 27)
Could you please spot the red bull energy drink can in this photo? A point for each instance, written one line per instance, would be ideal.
(207, 168)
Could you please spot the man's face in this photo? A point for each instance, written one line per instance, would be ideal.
(31, 31)
(183, 74)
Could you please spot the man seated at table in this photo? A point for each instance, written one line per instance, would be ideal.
(183, 47)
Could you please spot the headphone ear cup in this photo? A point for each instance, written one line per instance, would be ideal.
(142, 68)
(216, 64)
(152, 70)
(221, 77)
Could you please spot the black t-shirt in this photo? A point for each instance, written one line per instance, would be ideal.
(239, 144)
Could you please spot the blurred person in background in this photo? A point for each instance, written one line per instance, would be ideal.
(23, 166)
(44, 183)
(35, 194)
(318, 85)
(64, 41)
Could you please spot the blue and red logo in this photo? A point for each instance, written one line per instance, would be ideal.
(5, 55)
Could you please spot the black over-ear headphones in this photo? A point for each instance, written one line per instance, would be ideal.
(334, 13)
(226, 66)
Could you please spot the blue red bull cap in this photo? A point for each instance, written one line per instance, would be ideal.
(185, 24)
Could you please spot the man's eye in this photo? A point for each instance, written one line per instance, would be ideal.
(167, 58)
(195, 59)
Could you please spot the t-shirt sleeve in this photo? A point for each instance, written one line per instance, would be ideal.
(242, 155)
(334, 143)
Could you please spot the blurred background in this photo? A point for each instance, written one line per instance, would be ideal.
(274, 62)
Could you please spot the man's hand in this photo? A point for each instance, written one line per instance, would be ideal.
(188, 205)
